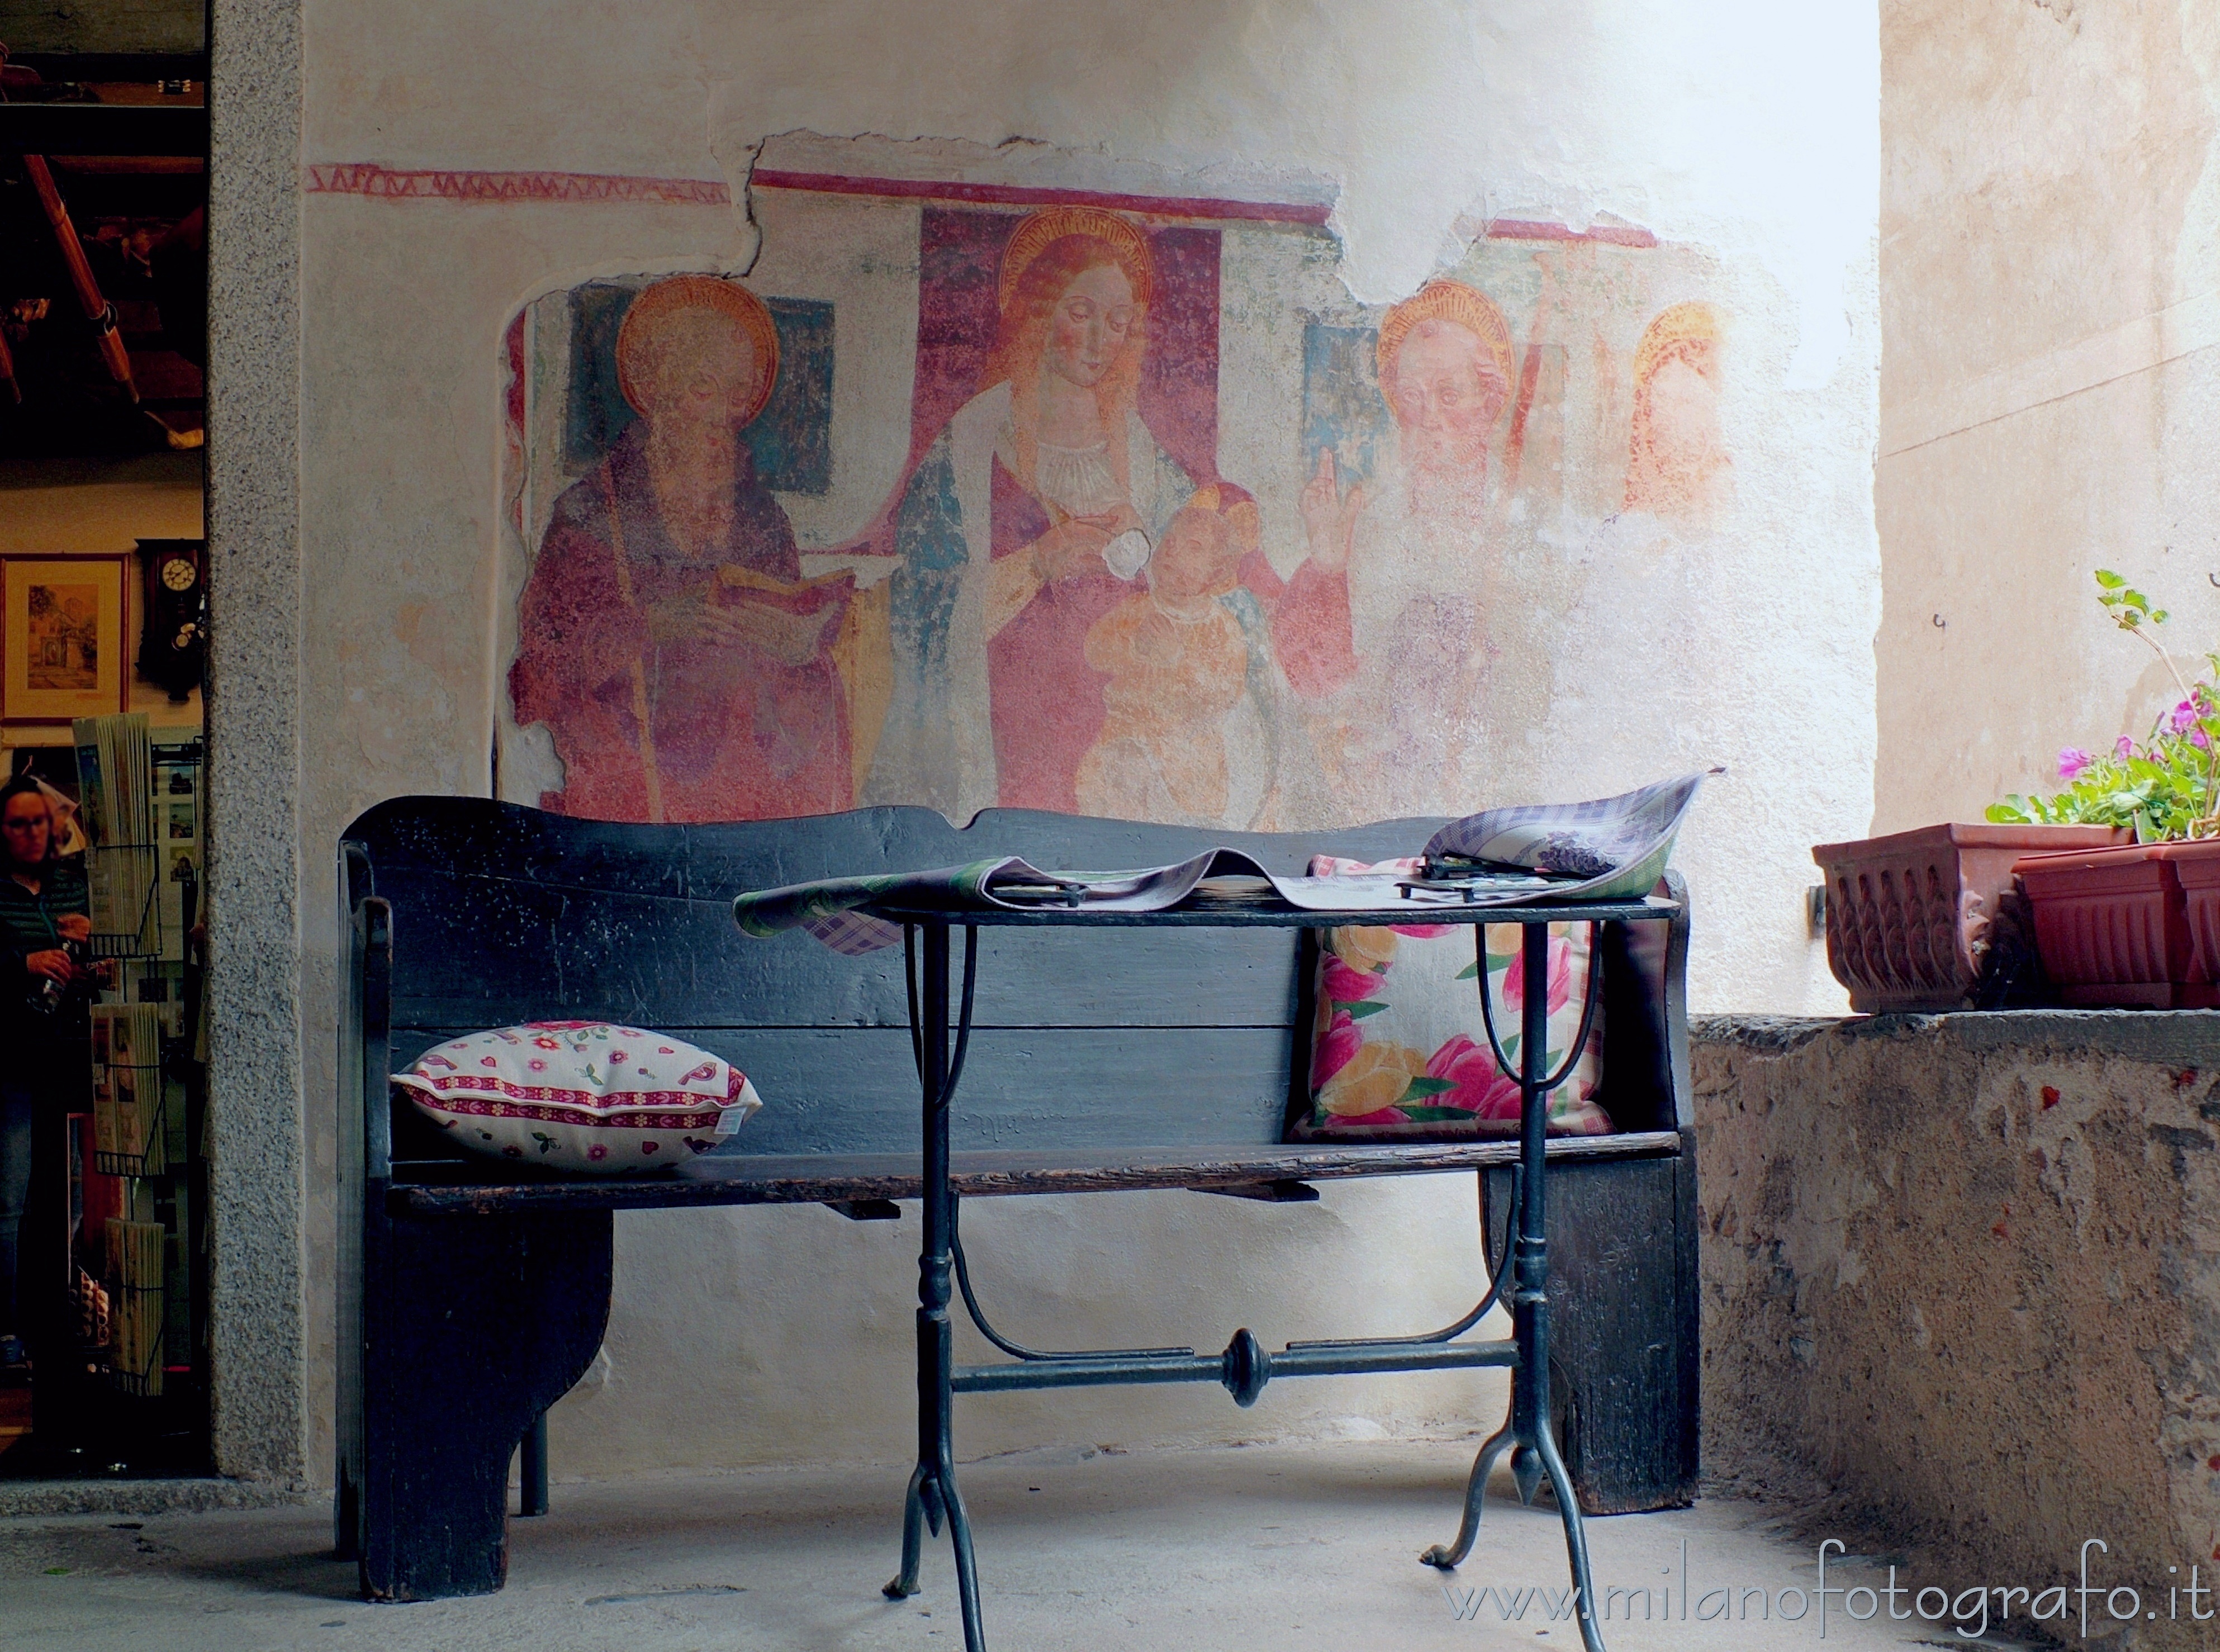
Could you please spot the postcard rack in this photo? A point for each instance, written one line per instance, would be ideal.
(139, 1303)
(128, 874)
(131, 1108)
(142, 800)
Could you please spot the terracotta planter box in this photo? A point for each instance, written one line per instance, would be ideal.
(2198, 866)
(2115, 928)
(1915, 919)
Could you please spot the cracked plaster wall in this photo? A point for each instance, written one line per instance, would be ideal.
(1961, 1287)
(2050, 394)
(1740, 130)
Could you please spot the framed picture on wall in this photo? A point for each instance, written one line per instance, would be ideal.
(64, 646)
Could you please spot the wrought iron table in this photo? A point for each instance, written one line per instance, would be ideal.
(1244, 1367)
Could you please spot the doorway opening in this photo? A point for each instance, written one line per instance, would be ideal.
(103, 574)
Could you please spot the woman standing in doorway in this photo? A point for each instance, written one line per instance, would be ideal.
(42, 1019)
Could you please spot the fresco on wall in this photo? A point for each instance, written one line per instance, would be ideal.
(667, 636)
(1179, 532)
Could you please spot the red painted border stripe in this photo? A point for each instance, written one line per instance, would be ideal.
(1523, 229)
(389, 184)
(1163, 206)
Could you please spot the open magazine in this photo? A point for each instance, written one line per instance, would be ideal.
(1615, 848)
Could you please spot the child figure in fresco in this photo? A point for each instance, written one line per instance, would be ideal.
(1182, 655)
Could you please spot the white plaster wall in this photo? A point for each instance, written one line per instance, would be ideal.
(1747, 130)
(2051, 401)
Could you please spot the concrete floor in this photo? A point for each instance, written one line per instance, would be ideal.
(1307, 1546)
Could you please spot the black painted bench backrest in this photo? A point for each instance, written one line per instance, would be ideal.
(1141, 1038)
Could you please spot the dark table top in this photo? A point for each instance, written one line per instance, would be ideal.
(1285, 917)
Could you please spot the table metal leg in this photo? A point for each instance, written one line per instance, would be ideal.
(1528, 1434)
(932, 1496)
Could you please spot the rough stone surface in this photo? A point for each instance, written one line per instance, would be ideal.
(258, 1305)
(37, 1498)
(1197, 1550)
(1961, 1284)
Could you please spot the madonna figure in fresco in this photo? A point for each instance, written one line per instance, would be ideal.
(1027, 519)
(666, 636)
(1424, 546)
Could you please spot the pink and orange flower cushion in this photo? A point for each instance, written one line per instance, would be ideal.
(1397, 1048)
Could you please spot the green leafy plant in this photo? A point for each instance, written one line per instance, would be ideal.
(2168, 786)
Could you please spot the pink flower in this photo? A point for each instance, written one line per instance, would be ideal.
(2123, 748)
(1335, 1046)
(1385, 1116)
(1346, 986)
(2185, 715)
(2196, 738)
(1561, 978)
(537, 1065)
(2073, 760)
(1482, 1088)
(598, 1150)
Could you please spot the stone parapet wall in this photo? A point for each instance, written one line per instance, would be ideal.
(1961, 1280)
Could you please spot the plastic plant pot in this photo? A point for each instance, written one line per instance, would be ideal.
(2113, 929)
(1921, 921)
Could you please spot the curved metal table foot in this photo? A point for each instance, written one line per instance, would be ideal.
(967, 1571)
(1448, 1557)
(905, 1582)
(1577, 1541)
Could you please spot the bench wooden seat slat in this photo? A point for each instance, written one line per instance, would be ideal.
(824, 1178)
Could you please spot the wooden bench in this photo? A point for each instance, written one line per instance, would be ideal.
(488, 1287)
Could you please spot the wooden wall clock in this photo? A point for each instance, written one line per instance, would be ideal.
(173, 641)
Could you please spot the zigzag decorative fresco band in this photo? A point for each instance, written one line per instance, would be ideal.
(364, 177)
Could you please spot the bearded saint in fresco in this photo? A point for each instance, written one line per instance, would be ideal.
(1029, 519)
(1424, 546)
(666, 636)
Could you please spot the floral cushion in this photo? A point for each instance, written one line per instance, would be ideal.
(581, 1095)
(1397, 1048)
